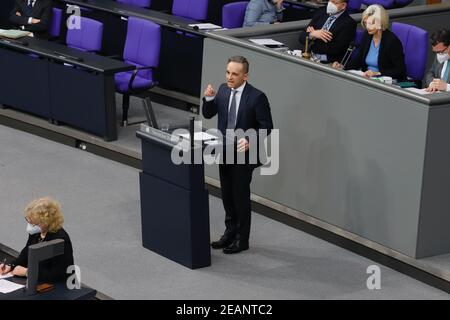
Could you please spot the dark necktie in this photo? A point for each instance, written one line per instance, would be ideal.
(29, 8)
(231, 123)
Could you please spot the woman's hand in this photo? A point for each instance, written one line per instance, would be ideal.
(336, 65)
(4, 269)
(20, 271)
(371, 73)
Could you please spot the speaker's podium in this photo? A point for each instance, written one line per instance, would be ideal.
(174, 202)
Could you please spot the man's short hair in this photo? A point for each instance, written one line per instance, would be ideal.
(240, 59)
(442, 35)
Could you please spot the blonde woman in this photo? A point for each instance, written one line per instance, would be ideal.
(44, 223)
(380, 51)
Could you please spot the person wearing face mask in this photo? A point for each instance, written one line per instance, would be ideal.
(261, 12)
(381, 52)
(330, 32)
(438, 78)
(44, 223)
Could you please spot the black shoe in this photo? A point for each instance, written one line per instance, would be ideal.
(223, 242)
(236, 246)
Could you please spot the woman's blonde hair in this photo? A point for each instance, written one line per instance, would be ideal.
(45, 212)
(378, 12)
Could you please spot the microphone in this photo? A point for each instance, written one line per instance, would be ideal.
(348, 54)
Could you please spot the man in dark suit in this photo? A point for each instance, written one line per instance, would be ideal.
(438, 77)
(330, 32)
(32, 15)
(238, 106)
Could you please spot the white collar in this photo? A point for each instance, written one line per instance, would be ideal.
(241, 88)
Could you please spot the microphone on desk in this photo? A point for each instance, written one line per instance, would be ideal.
(352, 46)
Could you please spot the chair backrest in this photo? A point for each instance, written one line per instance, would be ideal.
(357, 41)
(233, 14)
(415, 48)
(88, 37)
(142, 45)
(137, 3)
(354, 5)
(401, 3)
(387, 4)
(192, 9)
(55, 25)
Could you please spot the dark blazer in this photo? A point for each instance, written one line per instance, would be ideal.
(54, 269)
(253, 112)
(434, 72)
(343, 30)
(42, 10)
(391, 60)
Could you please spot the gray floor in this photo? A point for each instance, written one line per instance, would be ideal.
(100, 200)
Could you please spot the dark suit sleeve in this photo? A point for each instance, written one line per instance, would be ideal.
(263, 115)
(431, 74)
(45, 19)
(357, 62)
(209, 108)
(18, 21)
(339, 43)
(22, 259)
(397, 57)
(312, 23)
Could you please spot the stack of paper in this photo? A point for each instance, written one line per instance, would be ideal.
(267, 42)
(8, 275)
(8, 286)
(206, 26)
(13, 34)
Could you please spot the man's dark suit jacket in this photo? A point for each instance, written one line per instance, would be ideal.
(434, 73)
(42, 10)
(253, 112)
(343, 30)
(391, 59)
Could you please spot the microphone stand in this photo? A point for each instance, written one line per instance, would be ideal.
(306, 54)
(347, 55)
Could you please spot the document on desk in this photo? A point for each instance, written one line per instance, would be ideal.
(357, 72)
(8, 275)
(418, 91)
(13, 34)
(8, 286)
(203, 136)
(205, 26)
(267, 42)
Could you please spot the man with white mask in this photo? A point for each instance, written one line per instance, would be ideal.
(438, 78)
(330, 32)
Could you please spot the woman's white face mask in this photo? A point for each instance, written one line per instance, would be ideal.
(33, 229)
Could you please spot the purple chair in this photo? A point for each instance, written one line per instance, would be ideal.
(55, 25)
(88, 37)
(142, 48)
(233, 14)
(387, 4)
(354, 6)
(191, 9)
(357, 41)
(137, 3)
(415, 47)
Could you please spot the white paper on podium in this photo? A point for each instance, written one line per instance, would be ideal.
(206, 26)
(203, 136)
(8, 286)
(357, 72)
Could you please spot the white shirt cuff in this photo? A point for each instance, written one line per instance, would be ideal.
(448, 86)
(30, 19)
(208, 99)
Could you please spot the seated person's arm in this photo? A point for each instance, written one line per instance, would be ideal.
(43, 21)
(397, 58)
(17, 17)
(253, 14)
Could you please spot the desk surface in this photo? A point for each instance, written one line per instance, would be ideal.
(59, 292)
(121, 9)
(57, 51)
